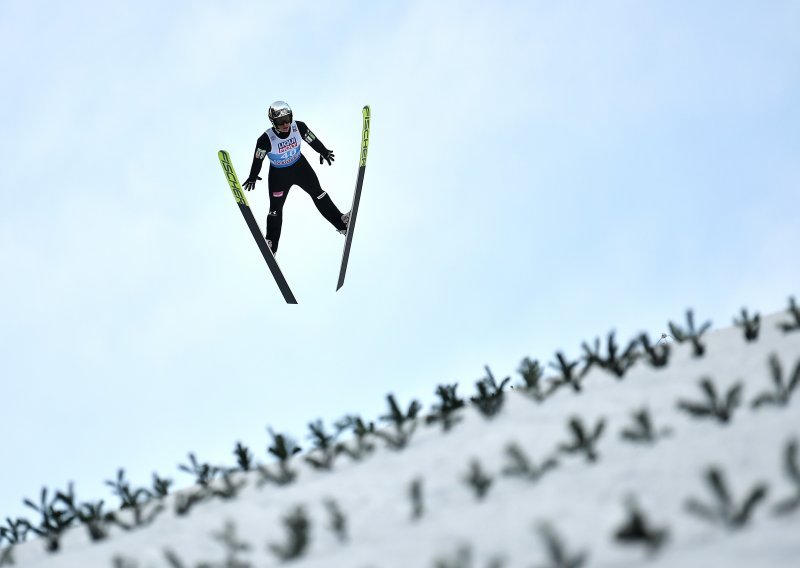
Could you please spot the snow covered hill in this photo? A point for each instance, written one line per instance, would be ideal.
(638, 470)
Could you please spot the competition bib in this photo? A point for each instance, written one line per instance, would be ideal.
(285, 151)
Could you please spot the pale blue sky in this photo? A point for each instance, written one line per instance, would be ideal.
(539, 173)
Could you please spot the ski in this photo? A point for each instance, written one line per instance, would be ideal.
(362, 165)
(247, 213)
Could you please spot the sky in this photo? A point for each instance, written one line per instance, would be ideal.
(539, 174)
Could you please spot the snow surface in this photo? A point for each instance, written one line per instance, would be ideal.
(583, 502)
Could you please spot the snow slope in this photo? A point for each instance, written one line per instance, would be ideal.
(583, 502)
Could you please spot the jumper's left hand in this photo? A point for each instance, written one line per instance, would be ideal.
(327, 155)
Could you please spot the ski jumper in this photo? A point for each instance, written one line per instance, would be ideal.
(288, 167)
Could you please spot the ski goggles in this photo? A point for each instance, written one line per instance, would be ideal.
(281, 120)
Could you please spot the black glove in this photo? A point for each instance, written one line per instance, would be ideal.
(326, 155)
(250, 183)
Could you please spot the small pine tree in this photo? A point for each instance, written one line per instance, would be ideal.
(794, 313)
(690, 333)
(298, 526)
(751, 325)
(478, 480)
(725, 511)
(791, 465)
(637, 529)
(584, 438)
(782, 389)
(715, 406)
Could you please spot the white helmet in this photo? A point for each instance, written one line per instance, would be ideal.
(279, 110)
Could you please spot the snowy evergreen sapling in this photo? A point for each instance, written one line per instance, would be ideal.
(782, 390)
(715, 406)
(298, 526)
(404, 423)
(160, 486)
(185, 501)
(54, 519)
(478, 479)
(532, 373)
(226, 487)
(584, 438)
(338, 523)
(446, 411)
(204, 473)
(233, 547)
(794, 312)
(725, 511)
(750, 325)
(557, 554)
(282, 448)
(657, 355)
(521, 466)
(415, 492)
(791, 465)
(643, 430)
(690, 333)
(362, 447)
(615, 362)
(90, 515)
(15, 532)
(490, 397)
(567, 370)
(244, 457)
(325, 448)
(134, 501)
(638, 530)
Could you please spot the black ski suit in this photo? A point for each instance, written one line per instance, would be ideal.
(281, 179)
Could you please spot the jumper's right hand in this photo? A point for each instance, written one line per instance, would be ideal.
(250, 183)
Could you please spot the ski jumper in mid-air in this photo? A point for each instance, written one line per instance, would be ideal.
(288, 167)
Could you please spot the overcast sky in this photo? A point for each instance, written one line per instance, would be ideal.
(539, 174)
